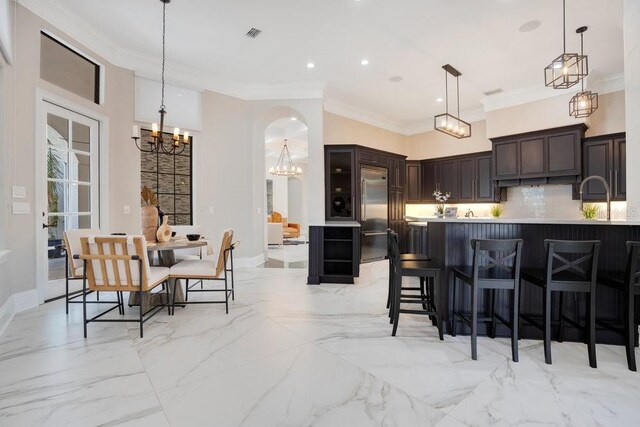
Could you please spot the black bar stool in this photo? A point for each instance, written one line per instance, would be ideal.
(627, 282)
(407, 257)
(496, 265)
(422, 269)
(570, 266)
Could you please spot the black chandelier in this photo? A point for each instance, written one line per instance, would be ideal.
(569, 68)
(157, 141)
(448, 123)
(585, 102)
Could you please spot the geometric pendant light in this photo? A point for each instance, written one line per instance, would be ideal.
(585, 102)
(567, 69)
(448, 123)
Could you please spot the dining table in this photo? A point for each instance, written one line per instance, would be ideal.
(166, 257)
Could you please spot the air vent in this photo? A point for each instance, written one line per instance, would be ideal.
(253, 33)
(493, 92)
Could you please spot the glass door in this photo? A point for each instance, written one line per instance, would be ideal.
(72, 187)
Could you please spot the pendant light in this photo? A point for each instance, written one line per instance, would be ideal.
(285, 166)
(157, 142)
(448, 123)
(567, 69)
(585, 102)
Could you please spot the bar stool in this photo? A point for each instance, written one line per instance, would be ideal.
(407, 257)
(496, 265)
(627, 282)
(570, 266)
(422, 269)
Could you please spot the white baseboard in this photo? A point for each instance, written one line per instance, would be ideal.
(249, 262)
(15, 304)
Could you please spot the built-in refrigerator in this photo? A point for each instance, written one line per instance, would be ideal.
(373, 213)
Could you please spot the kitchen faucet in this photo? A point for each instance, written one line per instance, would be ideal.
(606, 188)
(469, 214)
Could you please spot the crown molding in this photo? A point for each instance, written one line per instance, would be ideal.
(362, 115)
(601, 84)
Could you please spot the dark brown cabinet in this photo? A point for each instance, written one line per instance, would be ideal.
(468, 178)
(340, 176)
(343, 164)
(605, 156)
(417, 239)
(430, 179)
(413, 186)
(551, 155)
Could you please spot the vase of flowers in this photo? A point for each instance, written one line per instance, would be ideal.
(149, 214)
(441, 200)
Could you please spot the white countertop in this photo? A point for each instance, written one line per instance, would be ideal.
(336, 224)
(425, 221)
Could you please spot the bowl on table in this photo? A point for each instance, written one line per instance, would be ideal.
(193, 237)
(173, 234)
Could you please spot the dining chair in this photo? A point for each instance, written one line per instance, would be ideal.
(120, 264)
(570, 266)
(73, 271)
(626, 282)
(209, 270)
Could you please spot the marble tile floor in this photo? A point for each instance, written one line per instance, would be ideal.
(288, 354)
(287, 256)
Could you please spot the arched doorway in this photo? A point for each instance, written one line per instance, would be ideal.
(286, 196)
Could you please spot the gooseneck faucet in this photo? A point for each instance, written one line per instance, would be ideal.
(469, 214)
(606, 188)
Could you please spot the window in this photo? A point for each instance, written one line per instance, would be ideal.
(172, 173)
(68, 69)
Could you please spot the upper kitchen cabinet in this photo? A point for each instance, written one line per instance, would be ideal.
(340, 176)
(468, 178)
(396, 173)
(413, 182)
(605, 156)
(547, 156)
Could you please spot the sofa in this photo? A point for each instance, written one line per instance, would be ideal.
(289, 229)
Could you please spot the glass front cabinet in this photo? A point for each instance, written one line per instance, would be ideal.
(339, 184)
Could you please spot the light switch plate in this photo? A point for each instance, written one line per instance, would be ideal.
(19, 192)
(21, 208)
(211, 210)
(126, 209)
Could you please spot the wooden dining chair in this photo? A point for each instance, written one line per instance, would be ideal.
(120, 264)
(73, 271)
(207, 270)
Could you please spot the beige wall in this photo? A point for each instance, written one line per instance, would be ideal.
(554, 112)
(433, 144)
(341, 130)
(23, 79)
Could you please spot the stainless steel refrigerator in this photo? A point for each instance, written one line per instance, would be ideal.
(373, 213)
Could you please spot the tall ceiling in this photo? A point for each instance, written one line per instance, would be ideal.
(407, 38)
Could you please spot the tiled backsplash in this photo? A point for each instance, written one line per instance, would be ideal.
(543, 201)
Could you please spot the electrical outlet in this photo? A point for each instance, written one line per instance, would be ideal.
(259, 211)
(127, 209)
(211, 210)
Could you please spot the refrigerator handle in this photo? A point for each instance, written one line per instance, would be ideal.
(363, 196)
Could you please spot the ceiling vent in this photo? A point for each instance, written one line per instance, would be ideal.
(493, 92)
(253, 33)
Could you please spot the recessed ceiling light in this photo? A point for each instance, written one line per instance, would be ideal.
(529, 26)
(365, 62)
(395, 79)
(294, 118)
(439, 100)
(310, 65)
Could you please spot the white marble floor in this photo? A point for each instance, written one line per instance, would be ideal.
(288, 354)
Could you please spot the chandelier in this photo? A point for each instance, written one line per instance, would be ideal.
(285, 166)
(157, 142)
(569, 68)
(448, 123)
(585, 102)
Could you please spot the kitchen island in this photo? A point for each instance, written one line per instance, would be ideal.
(449, 245)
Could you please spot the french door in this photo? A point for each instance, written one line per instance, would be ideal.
(70, 177)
